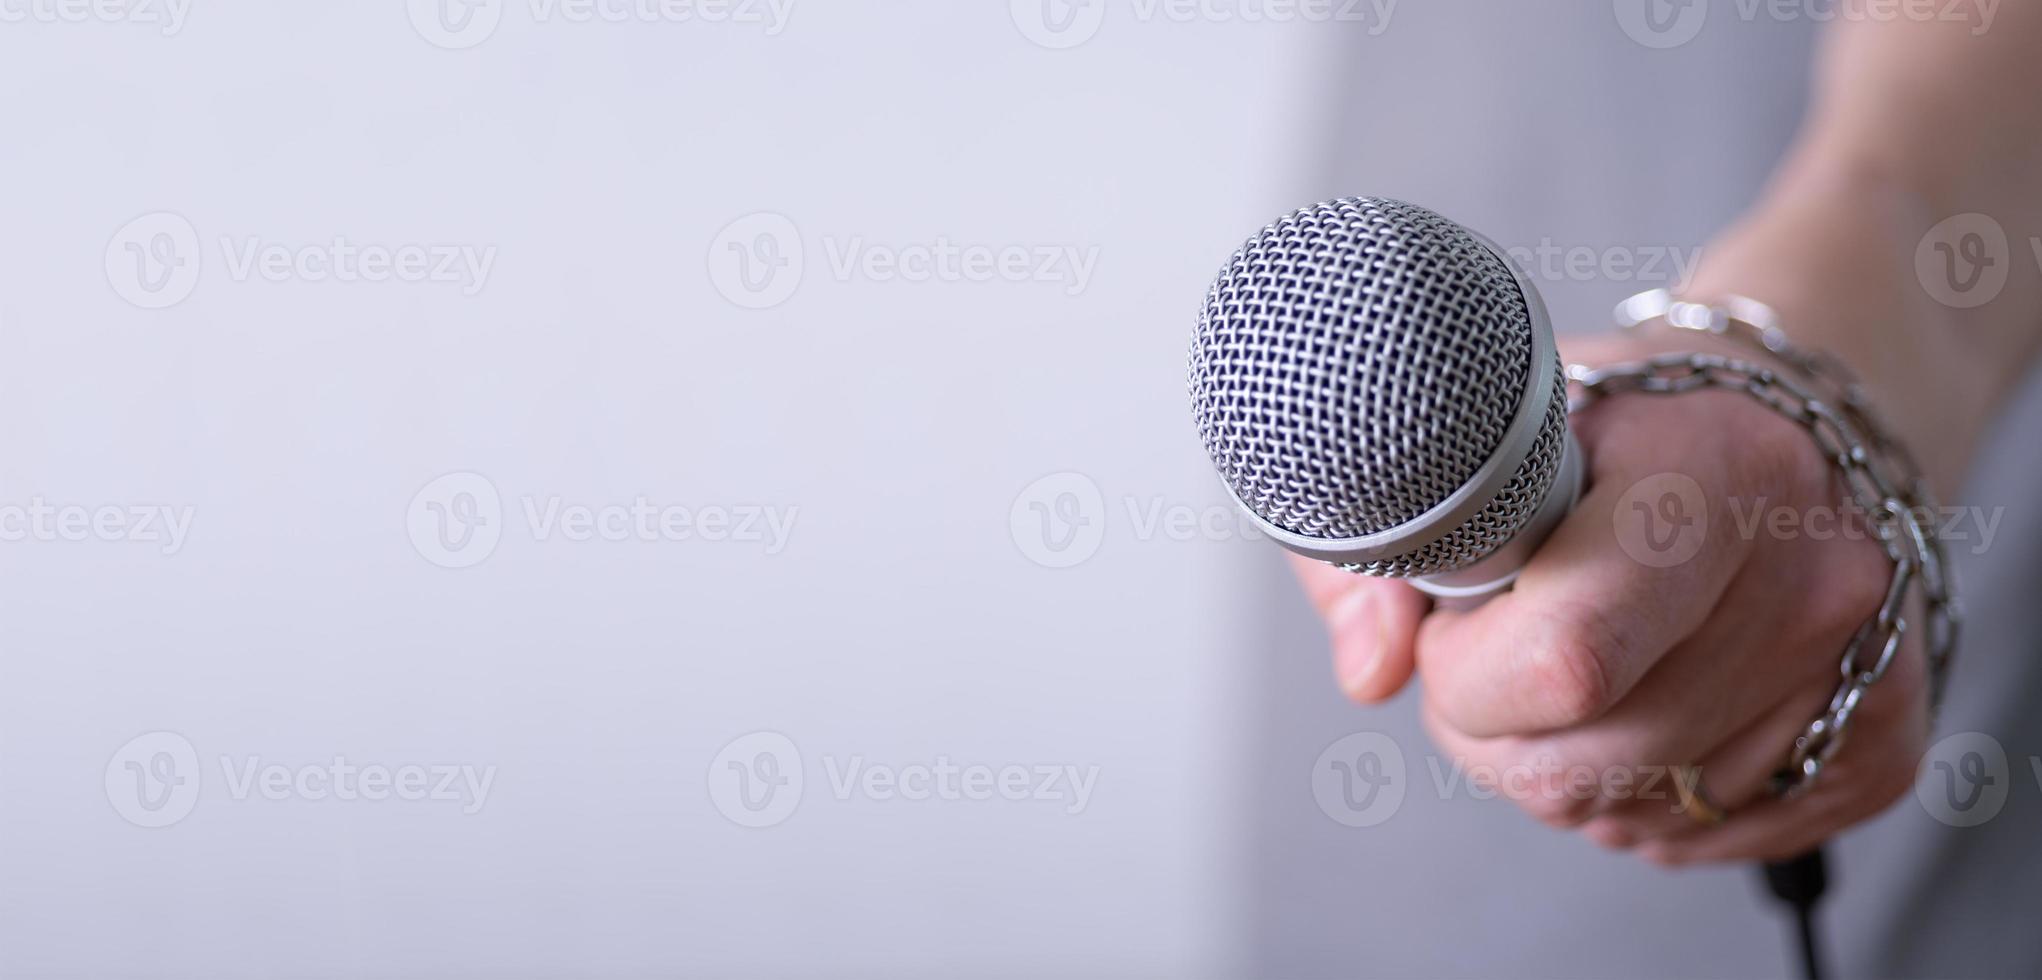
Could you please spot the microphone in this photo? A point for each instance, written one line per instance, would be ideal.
(1379, 388)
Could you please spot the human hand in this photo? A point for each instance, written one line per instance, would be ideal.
(1701, 631)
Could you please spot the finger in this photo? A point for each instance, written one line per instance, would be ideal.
(1373, 623)
(1630, 763)
(1750, 678)
(1876, 766)
(1534, 779)
(1587, 620)
(1777, 829)
(1734, 776)
(1603, 781)
(1324, 584)
(1731, 700)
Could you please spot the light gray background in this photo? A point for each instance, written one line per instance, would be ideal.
(905, 620)
(901, 623)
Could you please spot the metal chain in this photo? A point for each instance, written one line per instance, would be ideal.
(1882, 477)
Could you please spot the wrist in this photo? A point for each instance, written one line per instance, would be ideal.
(1832, 255)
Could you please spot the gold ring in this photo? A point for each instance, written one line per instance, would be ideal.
(1695, 801)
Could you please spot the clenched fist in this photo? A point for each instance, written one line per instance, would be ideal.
(1681, 627)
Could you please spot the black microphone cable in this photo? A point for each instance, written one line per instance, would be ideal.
(1798, 883)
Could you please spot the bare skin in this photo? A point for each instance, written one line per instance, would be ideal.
(1598, 660)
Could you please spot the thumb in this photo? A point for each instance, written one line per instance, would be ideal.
(1373, 623)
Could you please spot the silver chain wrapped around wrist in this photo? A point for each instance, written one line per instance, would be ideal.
(1883, 479)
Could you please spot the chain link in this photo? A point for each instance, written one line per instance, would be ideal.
(1883, 479)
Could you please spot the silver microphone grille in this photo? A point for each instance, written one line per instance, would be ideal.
(1357, 364)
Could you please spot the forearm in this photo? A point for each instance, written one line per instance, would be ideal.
(1914, 122)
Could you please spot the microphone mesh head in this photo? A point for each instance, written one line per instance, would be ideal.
(1356, 364)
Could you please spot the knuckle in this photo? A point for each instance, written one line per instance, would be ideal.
(1775, 455)
(1567, 666)
(1852, 589)
(1555, 780)
(1558, 810)
(1896, 782)
(1871, 781)
(1902, 764)
(1871, 790)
